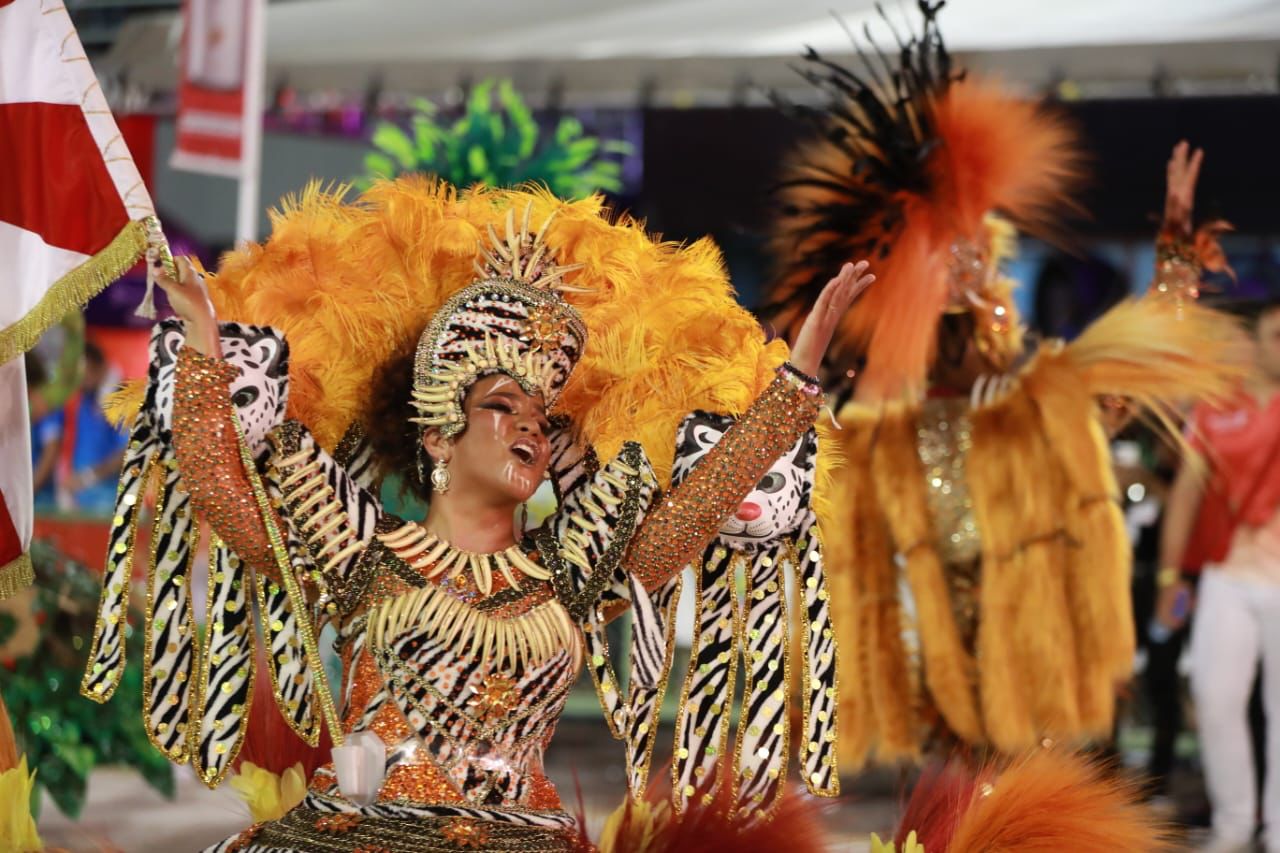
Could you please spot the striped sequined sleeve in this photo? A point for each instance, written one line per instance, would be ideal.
(682, 522)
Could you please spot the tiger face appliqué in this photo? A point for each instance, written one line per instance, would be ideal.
(776, 506)
(259, 392)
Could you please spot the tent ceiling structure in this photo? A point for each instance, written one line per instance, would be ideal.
(708, 51)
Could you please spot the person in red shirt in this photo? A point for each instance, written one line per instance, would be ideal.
(1238, 601)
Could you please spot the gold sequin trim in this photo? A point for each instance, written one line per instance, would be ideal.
(420, 834)
(73, 290)
(944, 434)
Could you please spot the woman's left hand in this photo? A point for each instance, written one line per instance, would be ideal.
(819, 327)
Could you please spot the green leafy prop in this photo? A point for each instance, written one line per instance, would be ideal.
(44, 641)
(498, 143)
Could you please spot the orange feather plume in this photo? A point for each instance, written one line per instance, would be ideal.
(1055, 800)
(352, 283)
(1049, 800)
(901, 175)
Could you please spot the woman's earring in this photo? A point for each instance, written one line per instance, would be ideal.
(440, 477)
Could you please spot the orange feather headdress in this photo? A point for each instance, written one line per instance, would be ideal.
(913, 168)
(352, 283)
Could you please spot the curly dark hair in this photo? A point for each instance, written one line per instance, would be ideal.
(393, 438)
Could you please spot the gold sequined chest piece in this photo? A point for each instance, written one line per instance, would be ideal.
(943, 435)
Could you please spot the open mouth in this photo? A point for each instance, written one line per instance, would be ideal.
(525, 450)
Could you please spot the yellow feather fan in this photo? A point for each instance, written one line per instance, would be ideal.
(1155, 351)
(350, 284)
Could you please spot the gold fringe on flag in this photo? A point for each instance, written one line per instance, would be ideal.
(71, 292)
(16, 576)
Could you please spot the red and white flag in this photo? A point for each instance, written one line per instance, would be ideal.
(211, 96)
(74, 215)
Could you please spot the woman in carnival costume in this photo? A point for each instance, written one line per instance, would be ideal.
(981, 564)
(472, 342)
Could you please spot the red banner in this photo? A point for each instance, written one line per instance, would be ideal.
(211, 92)
(74, 215)
(84, 540)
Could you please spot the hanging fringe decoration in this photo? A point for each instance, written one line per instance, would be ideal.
(753, 630)
(226, 667)
(653, 630)
(74, 289)
(171, 644)
(760, 758)
(706, 699)
(286, 661)
(819, 667)
(197, 696)
(105, 664)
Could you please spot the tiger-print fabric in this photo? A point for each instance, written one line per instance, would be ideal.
(195, 695)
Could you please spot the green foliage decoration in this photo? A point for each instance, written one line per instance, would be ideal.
(496, 142)
(64, 735)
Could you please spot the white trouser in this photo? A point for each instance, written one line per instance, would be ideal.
(1237, 623)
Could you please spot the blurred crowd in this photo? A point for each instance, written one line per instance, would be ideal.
(75, 451)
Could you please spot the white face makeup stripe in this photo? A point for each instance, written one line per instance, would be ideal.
(514, 476)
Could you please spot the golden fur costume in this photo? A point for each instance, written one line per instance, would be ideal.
(978, 558)
(1054, 635)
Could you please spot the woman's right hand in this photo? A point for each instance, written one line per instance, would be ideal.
(189, 298)
(1181, 174)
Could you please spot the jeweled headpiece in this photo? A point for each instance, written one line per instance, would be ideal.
(513, 320)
